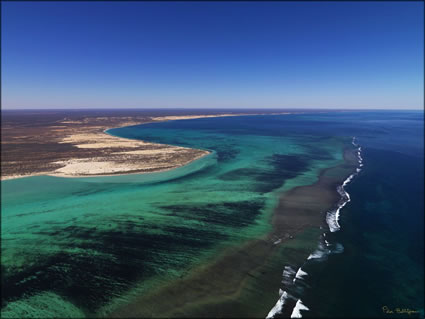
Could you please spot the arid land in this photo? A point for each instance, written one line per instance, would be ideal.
(72, 143)
(228, 285)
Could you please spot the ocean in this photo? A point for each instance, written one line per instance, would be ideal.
(147, 244)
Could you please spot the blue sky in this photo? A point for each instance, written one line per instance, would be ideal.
(212, 54)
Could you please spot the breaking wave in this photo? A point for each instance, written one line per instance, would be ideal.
(291, 279)
(333, 216)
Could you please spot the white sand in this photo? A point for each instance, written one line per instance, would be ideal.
(121, 155)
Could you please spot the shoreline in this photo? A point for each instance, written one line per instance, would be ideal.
(216, 287)
(106, 166)
(120, 174)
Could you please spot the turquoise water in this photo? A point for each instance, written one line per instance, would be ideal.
(80, 247)
(94, 243)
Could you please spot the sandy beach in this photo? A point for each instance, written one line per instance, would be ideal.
(78, 146)
(226, 284)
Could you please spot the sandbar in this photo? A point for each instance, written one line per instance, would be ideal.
(76, 145)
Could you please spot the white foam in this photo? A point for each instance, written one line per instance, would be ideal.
(288, 271)
(279, 305)
(287, 275)
(332, 219)
(296, 312)
(316, 255)
(300, 274)
(333, 216)
(319, 253)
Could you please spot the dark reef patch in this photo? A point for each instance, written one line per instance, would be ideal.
(229, 214)
(134, 252)
(264, 180)
(226, 154)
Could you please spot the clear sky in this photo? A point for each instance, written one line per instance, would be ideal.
(212, 54)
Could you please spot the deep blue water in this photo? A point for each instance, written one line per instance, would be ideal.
(381, 270)
(382, 228)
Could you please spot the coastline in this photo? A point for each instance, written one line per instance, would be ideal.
(245, 264)
(112, 155)
(322, 289)
(219, 286)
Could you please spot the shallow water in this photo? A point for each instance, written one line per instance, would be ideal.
(95, 243)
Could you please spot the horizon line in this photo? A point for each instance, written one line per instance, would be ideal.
(209, 108)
